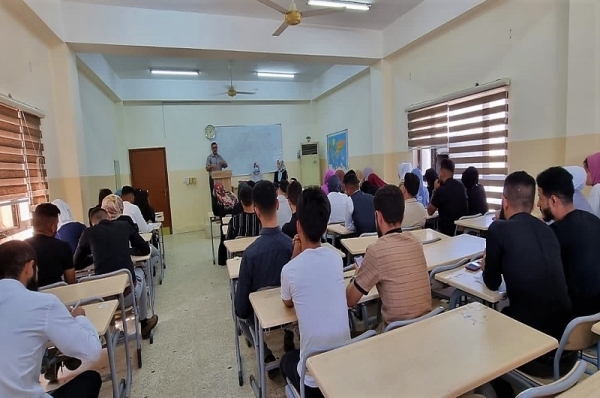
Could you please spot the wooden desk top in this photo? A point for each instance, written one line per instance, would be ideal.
(596, 328)
(480, 223)
(147, 236)
(100, 314)
(225, 220)
(329, 246)
(373, 294)
(239, 245)
(464, 348)
(338, 229)
(105, 287)
(587, 388)
(139, 259)
(434, 215)
(468, 281)
(155, 225)
(451, 250)
(357, 246)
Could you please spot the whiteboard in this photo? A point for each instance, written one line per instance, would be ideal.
(241, 146)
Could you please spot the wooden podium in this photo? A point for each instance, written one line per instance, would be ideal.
(224, 177)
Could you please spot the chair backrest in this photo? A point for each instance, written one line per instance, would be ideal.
(438, 285)
(558, 386)
(413, 228)
(368, 234)
(53, 285)
(398, 324)
(476, 257)
(577, 336)
(426, 242)
(310, 353)
(471, 216)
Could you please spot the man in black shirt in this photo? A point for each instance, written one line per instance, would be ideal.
(293, 193)
(577, 232)
(54, 257)
(108, 243)
(526, 253)
(263, 260)
(449, 199)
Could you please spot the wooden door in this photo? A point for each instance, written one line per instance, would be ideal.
(149, 171)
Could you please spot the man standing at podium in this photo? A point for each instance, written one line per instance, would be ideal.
(214, 162)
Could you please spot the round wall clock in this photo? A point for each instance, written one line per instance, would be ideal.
(210, 132)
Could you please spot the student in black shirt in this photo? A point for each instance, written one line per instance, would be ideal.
(54, 257)
(108, 243)
(449, 199)
(526, 253)
(263, 260)
(475, 193)
(293, 193)
(577, 232)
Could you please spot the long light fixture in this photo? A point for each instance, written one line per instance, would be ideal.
(276, 75)
(349, 5)
(174, 72)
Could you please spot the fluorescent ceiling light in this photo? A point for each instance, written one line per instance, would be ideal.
(277, 75)
(174, 72)
(349, 5)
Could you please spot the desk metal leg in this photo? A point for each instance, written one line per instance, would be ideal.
(455, 297)
(212, 240)
(161, 249)
(261, 358)
(238, 356)
(256, 388)
(119, 387)
(129, 377)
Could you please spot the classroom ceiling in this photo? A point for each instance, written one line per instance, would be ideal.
(137, 67)
(382, 13)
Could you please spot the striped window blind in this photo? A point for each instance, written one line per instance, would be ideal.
(474, 129)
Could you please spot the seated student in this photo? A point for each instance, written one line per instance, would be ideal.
(263, 260)
(284, 213)
(415, 214)
(29, 321)
(104, 192)
(579, 178)
(54, 258)
(395, 263)
(339, 201)
(131, 210)
(431, 176)
(475, 193)
(313, 283)
(108, 243)
(449, 199)
(524, 251)
(69, 230)
(361, 216)
(246, 223)
(293, 193)
(577, 232)
(142, 201)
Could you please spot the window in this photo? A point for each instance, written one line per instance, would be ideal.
(474, 130)
(22, 171)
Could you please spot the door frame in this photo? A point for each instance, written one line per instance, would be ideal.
(164, 153)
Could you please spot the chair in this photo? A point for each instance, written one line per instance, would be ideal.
(466, 230)
(558, 386)
(53, 285)
(290, 390)
(368, 234)
(436, 285)
(398, 324)
(413, 228)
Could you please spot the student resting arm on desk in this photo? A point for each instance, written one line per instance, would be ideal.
(449, 199)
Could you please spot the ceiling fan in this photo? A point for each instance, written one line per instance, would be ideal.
(293, 17)
(231, 91)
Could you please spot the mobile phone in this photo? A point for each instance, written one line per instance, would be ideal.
(473, 266)
(358, 261)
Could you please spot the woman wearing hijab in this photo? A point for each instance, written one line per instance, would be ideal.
(592, 167)
(226, 200)
(367, 171)
(423, 196)
(330, 173)
(375, 181)
(339, 201)
(69, 230)
(404, 168)
(142, 201)
(431, 177)
(579, 177)
(256, 174)
(103, 193)
(339, 173)
(281, 173)
(476, 196)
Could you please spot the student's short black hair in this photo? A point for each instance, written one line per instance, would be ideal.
(412, 184)
(44, 215)
(264, 196)
(246, 195)
(558, 182)
(313, 211)
(250, 183)
(351, 180)
(293, 192)
(127, 190)
(447, 164)
(283, 185)
(98, 214)
(390, 203)
(14, 254)
(519, 190)
(104, 192)
(214, 143)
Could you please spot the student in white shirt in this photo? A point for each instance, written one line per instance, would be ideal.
(284, 212)
(340, 202)
(131, 210)
(313, 283)
(415, 214)
(29, 321)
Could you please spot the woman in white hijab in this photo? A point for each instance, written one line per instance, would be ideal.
(403, 169)
(281, 173)
(579, 178)
(69, 230)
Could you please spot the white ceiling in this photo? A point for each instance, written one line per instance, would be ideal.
(137, 67)
(382, 13)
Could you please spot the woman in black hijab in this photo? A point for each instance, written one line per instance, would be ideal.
(475, 192)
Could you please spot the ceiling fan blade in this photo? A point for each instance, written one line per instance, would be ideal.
(245, 92)
(324, 11)
(281, 28)
(225, 93)
(274, 6)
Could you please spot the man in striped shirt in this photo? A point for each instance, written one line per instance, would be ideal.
(395, 263)
(246, 223)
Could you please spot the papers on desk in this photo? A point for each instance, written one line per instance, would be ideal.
(501, 289)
